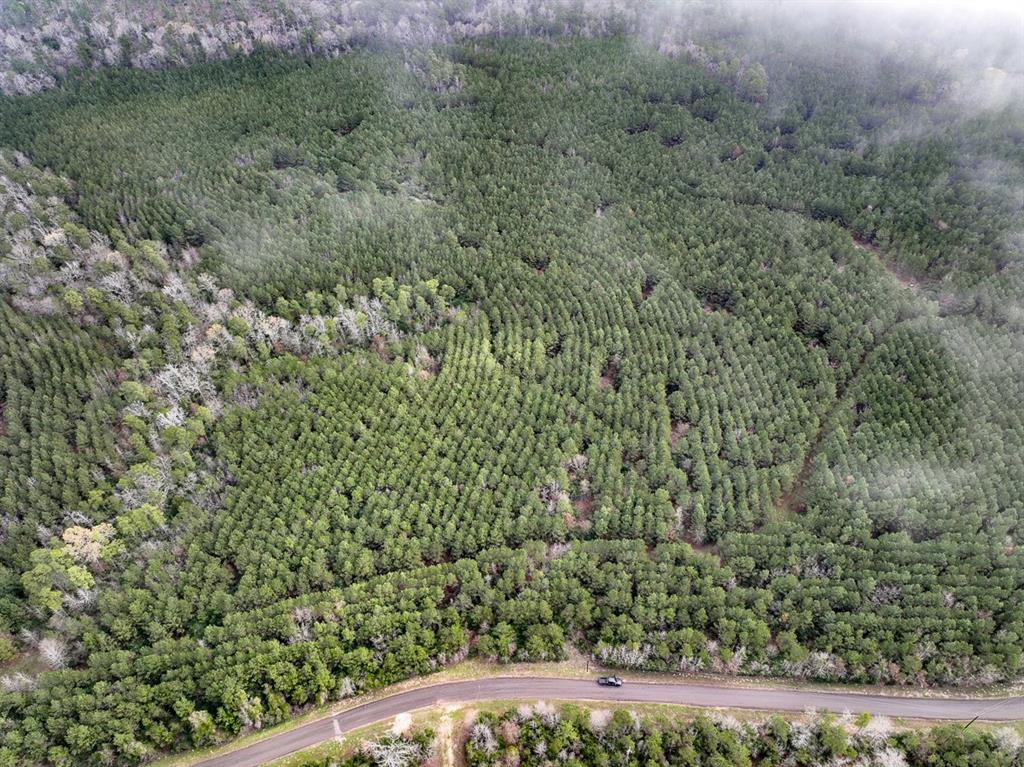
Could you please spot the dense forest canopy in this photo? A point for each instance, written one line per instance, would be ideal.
(325, 366)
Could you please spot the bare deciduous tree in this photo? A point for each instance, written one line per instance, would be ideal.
(53, 652)
(482, 737)
(394, 752)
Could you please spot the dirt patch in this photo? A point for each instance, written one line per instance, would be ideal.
(580, 519)
(788, 505)
(401, 724)
(867, 245)
(609, 378)
(445, 737)
(425, 364)
(679, 430)
(379, 345)
(710, 549)
(902, 276)
(899, 273)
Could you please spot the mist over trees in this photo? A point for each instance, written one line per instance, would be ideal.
(484, 329)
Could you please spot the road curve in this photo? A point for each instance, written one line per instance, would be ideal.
(532, 688)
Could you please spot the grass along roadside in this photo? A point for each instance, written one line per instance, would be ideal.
(458, 717)
(466, 670)
(575, 667)
(352, 740)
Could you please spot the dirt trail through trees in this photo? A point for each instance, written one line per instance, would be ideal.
(792, 501)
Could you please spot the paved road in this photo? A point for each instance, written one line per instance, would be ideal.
(527, 688)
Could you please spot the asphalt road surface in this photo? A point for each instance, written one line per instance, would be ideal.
(526, 688)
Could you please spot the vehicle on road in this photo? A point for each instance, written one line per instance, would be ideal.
(610, 681)
(665, 692)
